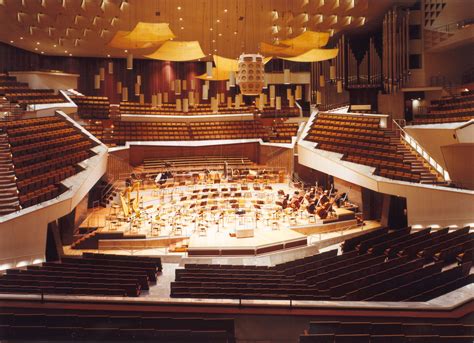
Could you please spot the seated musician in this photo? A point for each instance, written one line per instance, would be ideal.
(284, 202)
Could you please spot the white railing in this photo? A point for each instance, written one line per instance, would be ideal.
(421, 151)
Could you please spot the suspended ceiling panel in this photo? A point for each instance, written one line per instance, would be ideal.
(224, 27)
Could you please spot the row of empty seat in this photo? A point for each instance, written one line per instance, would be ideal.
(44, 152)
(92, 107)
(93, 274)
(122, 131)
(361, 140)
(377, 331)
(21, 93)
(382, 265)
(449, 109)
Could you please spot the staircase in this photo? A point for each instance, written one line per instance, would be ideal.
(410, 156)
(9, 201)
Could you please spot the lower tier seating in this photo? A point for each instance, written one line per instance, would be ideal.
(70, 325)
(93, 274)
(381, 265)
(387, 332)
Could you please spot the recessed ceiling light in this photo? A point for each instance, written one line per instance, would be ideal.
(235, 32)
(65, 51)
(211, 29)
(209, 54)
(125, 51)
(215, 50)
(37, 43)
(218, 20)
(21, 37)
(179, 8)
(36, 49)
(182, 27)
(54, 45)
(42, 52)
(11, 41)
(70, 54)
(225, 11)
(180, 19)
(108, 55)
(220, 34)
(213, 41)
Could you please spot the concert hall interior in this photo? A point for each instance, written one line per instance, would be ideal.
(245, 171)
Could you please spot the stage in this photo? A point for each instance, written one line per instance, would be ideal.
(225, 219)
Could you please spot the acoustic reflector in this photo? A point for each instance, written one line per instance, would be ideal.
(209, 69)
(185, 105)
(97, 81)
(278, 103)
(298, 92)
(313, 55)
(232, 79)
(130, 61)
(177, 87)
(272, 91)
(286, 76)
(332, 72)
(124, 94)
(178, 105)
(111, 67)
(291, 101)
(159, 100)
(150, 32)
(178, 51)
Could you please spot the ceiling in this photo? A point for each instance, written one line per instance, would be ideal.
(223, 27)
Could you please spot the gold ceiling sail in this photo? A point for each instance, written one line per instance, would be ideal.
(308, 40)
(120, 41)
(177, 51)
(280, 50)
(217, 75)
(313, 55)
(150, 32)
(229, 64)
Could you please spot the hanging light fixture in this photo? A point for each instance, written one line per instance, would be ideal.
(339, 86)
(97, 81)
(102, 73)
(332, 72)
(111, 68)
(251, 74)
(124, 94)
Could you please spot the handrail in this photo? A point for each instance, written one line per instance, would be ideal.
(454, 26)
(420, 151)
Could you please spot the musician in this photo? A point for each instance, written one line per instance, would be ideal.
(284, 203)
(324, 198)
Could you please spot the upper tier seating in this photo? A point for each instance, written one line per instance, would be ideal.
(449, 109)
(361, 140)
(283, 132)
(20, 92)
(93, 274)
(380, 265)
(123, 131)
(373, 330)
(66, 325)
(9, 201)
(45, 152)
(92, 107)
